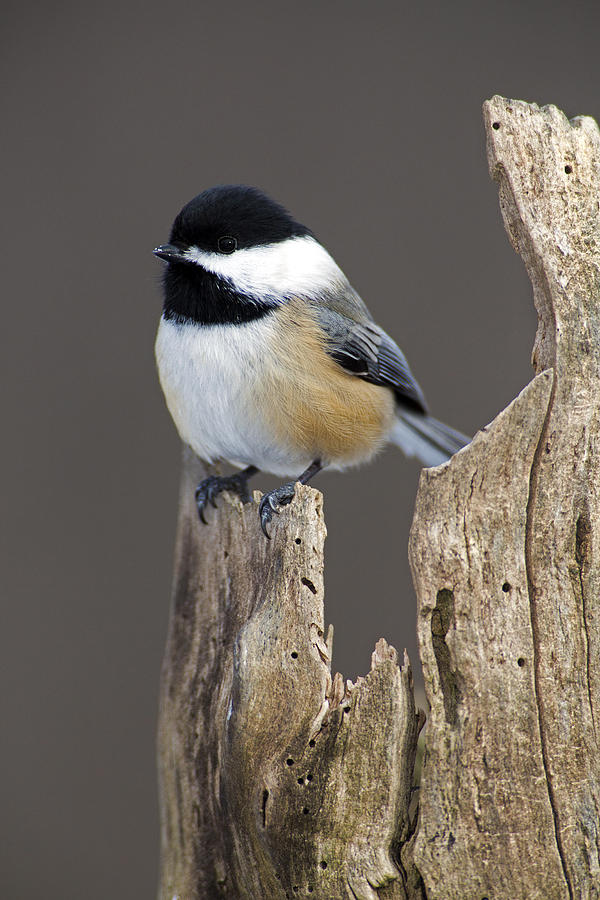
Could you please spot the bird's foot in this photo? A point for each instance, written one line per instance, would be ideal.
(272, 502)
(209, 489)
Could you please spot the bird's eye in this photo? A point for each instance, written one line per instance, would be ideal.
(227, 244)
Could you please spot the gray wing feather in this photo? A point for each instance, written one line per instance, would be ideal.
(362, 348)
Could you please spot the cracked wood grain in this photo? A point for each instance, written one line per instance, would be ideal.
(506, 567)
(276, 780)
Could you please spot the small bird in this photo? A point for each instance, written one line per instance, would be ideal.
(270, 360)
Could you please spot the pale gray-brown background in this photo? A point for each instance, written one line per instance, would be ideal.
(363, 118)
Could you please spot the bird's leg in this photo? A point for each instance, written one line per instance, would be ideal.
(281, 496)
(208, 490)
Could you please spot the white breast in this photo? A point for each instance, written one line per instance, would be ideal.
(209, 375)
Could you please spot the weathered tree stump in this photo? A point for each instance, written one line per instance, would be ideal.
(504, 552)
(278, 780)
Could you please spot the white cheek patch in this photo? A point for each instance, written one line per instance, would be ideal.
(296, 266)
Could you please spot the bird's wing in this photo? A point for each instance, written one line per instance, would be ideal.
(363, 349)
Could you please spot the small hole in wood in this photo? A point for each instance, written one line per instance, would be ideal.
(506, 587)
(294, 654)
(520, 662)
(301, 781)
(568, 170)
(290, 761)
(308, 583)
(346, 709)
(496, 125)
(323, 864)
(225, 554)
(309, 777)
(312, 743)
(305, 811)
(298, 540)
(295, 889)
(310, 889)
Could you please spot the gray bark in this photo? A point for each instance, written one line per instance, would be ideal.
(279, 780)
(505, 562)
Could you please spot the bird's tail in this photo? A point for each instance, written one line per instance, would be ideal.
(424, 437)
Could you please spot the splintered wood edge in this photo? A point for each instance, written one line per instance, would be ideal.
(548, 201)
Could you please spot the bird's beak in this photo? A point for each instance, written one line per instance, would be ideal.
(170, 253)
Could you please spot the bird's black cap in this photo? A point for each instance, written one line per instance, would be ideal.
(233, 210)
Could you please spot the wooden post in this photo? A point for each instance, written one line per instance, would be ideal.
(505, 552)
(278, 780)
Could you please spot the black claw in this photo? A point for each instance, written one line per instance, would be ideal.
(265, 512)
(263, 524)
(209, 489)
(202, 497)
(272, 502)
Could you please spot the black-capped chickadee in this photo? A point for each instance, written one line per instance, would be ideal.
(269, 359)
